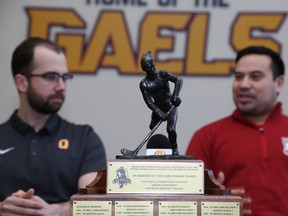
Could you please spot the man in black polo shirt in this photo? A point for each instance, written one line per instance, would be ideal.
(44, 159)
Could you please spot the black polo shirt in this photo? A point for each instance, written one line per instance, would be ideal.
(50, 161)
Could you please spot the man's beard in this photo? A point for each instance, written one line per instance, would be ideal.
(41, 105)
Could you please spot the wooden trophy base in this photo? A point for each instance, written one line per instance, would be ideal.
(215, 200)
(154, 205)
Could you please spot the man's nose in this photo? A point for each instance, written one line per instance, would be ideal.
(245, 83)
(60, 84)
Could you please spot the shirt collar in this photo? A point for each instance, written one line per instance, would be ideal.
(23, 128)
(277, 111)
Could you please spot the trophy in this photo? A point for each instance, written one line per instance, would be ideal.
(156, 93)
(156, 185)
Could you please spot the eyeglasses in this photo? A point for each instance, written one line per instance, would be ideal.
(53, 77)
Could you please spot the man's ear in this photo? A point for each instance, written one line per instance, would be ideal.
(280, 82)
(21, 83)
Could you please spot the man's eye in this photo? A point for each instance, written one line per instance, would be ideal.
(238, 77)
(256, 77)
(67, 76)
(50, 77)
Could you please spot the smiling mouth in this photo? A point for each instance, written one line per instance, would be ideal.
(245, 98)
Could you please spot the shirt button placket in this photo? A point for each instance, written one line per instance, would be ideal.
(34, 152)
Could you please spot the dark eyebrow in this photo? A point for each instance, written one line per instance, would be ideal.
(256, 71)
(54, 72)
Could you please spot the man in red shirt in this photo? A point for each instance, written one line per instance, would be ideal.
(248, 150)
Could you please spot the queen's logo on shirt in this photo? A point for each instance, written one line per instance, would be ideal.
(63, 144)
(285, 145)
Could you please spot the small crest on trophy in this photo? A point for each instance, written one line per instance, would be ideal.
(122, 177)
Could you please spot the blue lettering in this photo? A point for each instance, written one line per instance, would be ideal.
(118, 2)
(214, 3)
(167, 2)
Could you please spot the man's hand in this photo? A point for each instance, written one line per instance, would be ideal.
(238, 191)
(176, 101)
(26, 203)
(162, 115)
(21, 203)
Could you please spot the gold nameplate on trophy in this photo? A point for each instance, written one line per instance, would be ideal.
(128, 208)
(178, 208)
(89, 207)
(220, 208)
(150, 176)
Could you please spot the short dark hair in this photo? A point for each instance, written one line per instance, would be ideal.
(22, 56)
(277, 66)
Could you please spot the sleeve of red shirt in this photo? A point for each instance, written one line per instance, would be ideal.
(201, 146)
